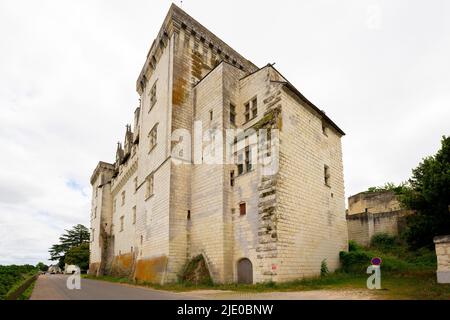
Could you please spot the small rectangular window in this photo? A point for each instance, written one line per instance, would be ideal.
(232, 178)
(247, 112)
(153, 137)
(248, 162)
(135, 184)
(254, 108)
(123, 198)
(121, 223)
(210, 115)
(152, 95)
(149, 191)
(326, 175)
(242, 209)
(232, 114)
(114, 205)
(324, 129)
(134, 215)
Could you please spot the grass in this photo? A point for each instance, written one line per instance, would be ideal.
(27, 293)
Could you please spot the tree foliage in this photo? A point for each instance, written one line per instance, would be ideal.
(429, 195)
(78, 256)
(11, 275)
(74, 237)
(390, 186)
(42, 267)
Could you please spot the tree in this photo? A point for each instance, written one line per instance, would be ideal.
(74, 237)
(429, 195)
(78, 256)
(42, 267)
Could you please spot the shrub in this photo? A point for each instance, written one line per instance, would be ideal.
(324, 268)
(383, 241)
(353, 246)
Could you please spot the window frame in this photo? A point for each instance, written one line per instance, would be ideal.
(242, 208)
(153, 137)
(153, 95)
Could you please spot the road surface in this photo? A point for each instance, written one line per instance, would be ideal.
(53, 287)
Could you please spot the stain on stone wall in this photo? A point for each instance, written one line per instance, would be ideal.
(150, 270)
(122, 265)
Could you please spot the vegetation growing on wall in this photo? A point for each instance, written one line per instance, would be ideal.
(196, 272)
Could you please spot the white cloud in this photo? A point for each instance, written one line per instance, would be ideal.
(67, 89)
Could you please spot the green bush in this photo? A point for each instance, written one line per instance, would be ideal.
(383, 241)
(324, 268)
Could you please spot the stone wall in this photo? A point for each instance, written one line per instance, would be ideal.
(442, 244)
(363, 226)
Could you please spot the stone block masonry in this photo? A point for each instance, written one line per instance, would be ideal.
(158, 205)
(442, 245)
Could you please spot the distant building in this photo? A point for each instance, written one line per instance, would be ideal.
(371, 213)
(54, 269)
(158, 206)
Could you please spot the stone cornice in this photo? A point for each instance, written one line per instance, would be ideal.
(126, 171)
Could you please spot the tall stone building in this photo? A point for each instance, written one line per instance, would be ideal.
(264, 202)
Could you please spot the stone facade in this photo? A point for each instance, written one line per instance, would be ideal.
(442, 244)
(165, 200)
(371, 213)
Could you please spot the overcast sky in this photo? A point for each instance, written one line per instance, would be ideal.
(379, 69)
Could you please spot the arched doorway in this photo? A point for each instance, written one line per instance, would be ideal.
(245, 271)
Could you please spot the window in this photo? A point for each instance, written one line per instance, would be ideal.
(95, 212)
(142, 239)
(242, 209)
(240, 162)
(324, 129)
(189, 215)
(121, 223)
(232, 178)
(114, 205)
(153, 137)
(248, 162)
(247, 112)
(135, 184)
(149, 191)
(152, 95)
(232, 114)
(123, 197)
(210, 115)
(251, 109)
(254, 108)
(134, 215)
(326, 175)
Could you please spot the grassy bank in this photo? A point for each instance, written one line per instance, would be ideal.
(11, 277)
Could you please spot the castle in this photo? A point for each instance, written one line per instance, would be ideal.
(224, 160)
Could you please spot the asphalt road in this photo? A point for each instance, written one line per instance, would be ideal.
(53, 287)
